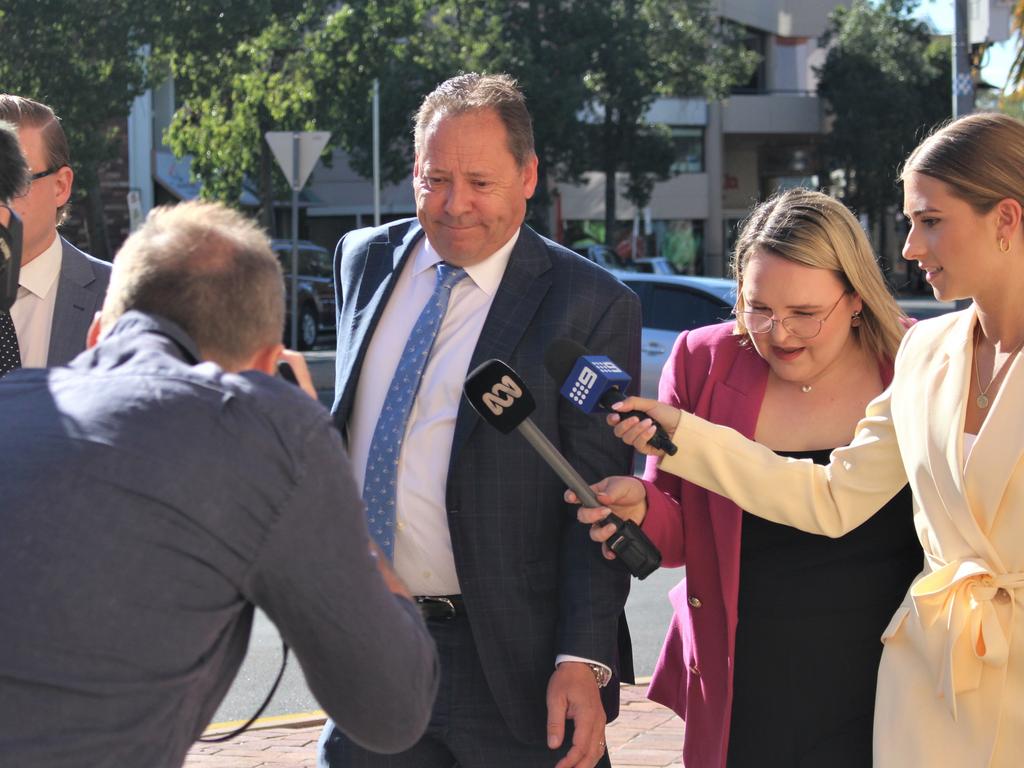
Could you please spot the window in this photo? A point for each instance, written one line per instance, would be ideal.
(756, 41)
(689, 147)
(677, 309)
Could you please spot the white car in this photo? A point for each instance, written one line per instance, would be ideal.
(671, 304)
(675, 303)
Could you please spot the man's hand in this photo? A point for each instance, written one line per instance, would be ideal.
(391, 579)
(637, 432)
(625, 496)
(573, 693)
(302, 375)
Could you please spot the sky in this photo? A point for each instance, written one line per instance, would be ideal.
(999, 56)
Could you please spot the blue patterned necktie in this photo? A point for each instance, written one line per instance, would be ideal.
(10, 354)
(382, 461)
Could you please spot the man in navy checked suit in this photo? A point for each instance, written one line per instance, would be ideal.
(526, 613)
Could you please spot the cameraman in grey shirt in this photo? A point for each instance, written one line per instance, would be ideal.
(159, 488)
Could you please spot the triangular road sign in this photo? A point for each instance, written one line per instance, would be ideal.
(311, 144)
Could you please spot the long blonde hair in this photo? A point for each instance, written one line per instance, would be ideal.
(813, 229)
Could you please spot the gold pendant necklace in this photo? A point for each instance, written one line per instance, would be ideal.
(982, 399)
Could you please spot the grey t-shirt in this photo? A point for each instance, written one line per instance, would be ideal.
(146, 504)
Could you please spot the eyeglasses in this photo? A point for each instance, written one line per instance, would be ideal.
(44, 174)
(37, 176)
(801, 326)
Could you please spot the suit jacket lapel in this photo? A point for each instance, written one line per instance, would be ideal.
(523, 288)
(946, 410)
(73, 307)
(997, 451)
(382, 265)
(737, 405)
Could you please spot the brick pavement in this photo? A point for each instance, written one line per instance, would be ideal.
(645, 735)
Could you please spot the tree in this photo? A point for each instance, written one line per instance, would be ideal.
(640, 50)
(1016, 74)
(885, 83)
(243, 76)
(85, 60)
(309, 64)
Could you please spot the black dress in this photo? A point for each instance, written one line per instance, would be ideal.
(811, 613)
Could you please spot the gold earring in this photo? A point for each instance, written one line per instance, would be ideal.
(1004, 245)
(855, 319)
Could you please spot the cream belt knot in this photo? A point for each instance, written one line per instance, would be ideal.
(962, 594)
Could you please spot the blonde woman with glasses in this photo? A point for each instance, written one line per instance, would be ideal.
(951, 679)
(765, 610)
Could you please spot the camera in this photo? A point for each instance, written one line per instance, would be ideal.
(10, 256)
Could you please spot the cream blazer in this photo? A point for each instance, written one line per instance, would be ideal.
(951, 681)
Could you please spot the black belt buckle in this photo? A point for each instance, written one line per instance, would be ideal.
(436, 608)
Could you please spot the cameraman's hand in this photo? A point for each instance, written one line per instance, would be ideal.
(301, 370)
(391, 579)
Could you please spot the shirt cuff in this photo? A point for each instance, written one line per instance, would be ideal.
(568, 657)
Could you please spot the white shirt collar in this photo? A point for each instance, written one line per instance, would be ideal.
(40, 275)
(486, 274)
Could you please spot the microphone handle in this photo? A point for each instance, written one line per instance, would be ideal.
(558, 462)
(629, 543)
(660, 441)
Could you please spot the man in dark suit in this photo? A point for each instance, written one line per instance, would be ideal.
(523, 608)
(61, 288)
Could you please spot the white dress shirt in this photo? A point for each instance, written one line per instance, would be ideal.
(32, 311)
(423, 548)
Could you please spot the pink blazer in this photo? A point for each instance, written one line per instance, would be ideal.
(712, 376)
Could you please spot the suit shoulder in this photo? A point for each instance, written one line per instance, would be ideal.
(83, 269)
(582, 269)
(72, 253)
(358, 240)
(708, 345)
(927, 338)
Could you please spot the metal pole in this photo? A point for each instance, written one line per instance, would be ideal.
(963, 83)
(295, 241)
(376, 152)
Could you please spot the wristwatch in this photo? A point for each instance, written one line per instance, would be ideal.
(601, 674)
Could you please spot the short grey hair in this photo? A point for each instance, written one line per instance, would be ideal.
(207, 268)
(472, 92)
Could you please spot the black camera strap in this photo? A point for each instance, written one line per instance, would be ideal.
(263, 706)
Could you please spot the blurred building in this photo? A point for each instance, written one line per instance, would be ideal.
(764, 137)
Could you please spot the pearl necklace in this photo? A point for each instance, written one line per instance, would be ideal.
(982, 399)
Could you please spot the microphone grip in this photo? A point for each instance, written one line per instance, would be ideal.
(629, 543)
(660, 440)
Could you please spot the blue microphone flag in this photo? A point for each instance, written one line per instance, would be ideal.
(591, 377)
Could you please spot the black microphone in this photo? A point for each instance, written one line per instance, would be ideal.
(595, 383)
(501, 398)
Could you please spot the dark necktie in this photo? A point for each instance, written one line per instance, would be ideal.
(10, 354)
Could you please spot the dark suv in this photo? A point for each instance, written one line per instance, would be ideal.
(316, 290)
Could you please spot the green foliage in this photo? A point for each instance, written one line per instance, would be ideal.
(886, 84)
(640, 50)
(84, 60)
(238, 80)
(590, 70)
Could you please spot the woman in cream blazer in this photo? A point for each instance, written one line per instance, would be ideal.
(951, 682)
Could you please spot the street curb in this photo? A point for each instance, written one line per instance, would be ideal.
(292, 720)
(311, 718)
